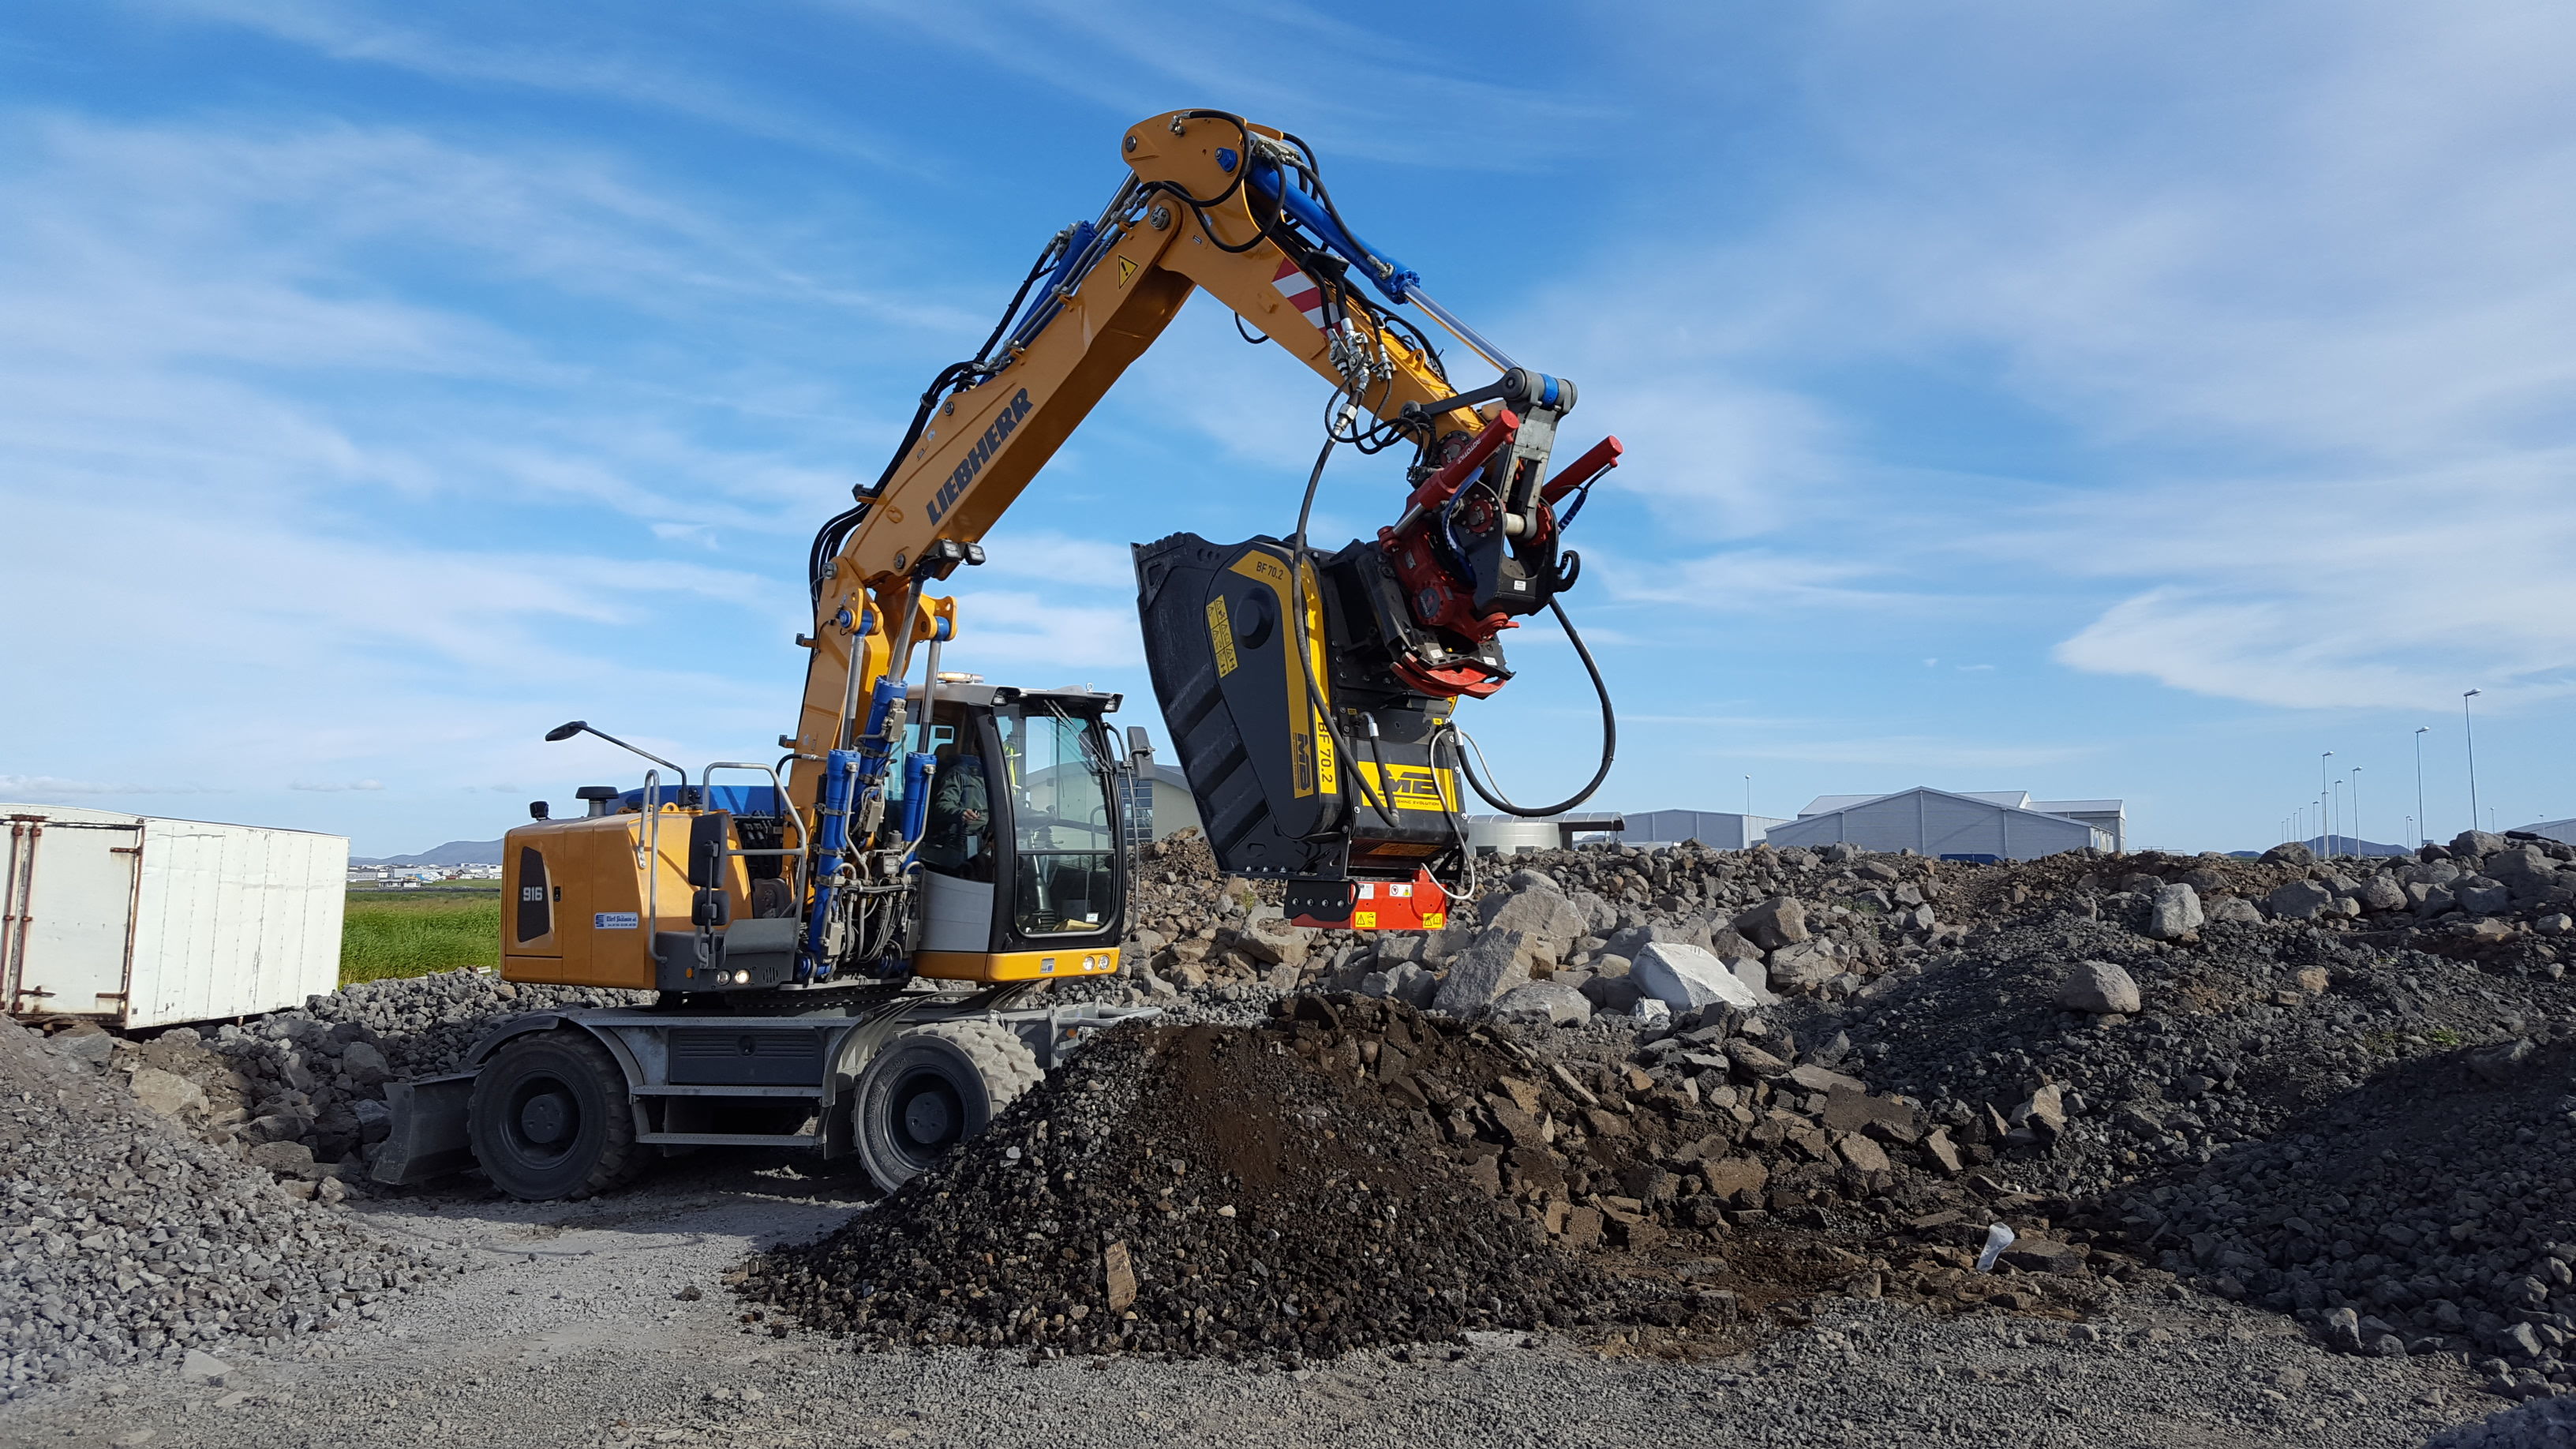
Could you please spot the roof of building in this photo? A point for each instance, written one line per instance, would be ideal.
(1828, 804)
(2079, 807)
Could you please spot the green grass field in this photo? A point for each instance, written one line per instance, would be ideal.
(412, 933)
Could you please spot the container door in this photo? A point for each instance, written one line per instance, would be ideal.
(70, 897)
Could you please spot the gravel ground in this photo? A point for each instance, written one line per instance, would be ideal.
(582, 1330)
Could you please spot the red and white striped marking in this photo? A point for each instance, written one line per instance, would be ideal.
(1300, 290)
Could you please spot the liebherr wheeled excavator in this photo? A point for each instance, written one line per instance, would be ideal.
(845, 958)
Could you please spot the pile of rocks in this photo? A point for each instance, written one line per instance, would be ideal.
(301, 1091)
(122, 1239)
(1354, 1172)
(1821, 924)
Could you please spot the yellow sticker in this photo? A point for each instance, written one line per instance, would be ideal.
(1363, 920)
(1222, 634)
(1126, 271)
(1413, 787)
(1434, 920)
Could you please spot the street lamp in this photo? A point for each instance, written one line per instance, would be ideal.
(2325, 801)
(2355, 827)
(2470, 731)
(2420, 823)
(2340, 818)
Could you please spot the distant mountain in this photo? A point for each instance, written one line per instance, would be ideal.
(454, 852)
(2343, 845)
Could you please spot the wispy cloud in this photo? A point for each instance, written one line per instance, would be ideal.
(44, 788)
(336, 787)
(606, 67)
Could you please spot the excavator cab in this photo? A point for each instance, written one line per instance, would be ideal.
(1022, 844)
(1001, 857)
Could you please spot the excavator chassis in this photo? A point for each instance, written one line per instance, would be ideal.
(560, 1104)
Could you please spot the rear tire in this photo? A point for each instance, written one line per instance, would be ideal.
(931, 1089)
(550, 1118)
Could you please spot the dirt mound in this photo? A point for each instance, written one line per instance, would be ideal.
(1358, 1174)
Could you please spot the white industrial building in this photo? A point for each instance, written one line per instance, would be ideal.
(1718, 829)
(1513, 834)
(2001, 824)
(2560, 830)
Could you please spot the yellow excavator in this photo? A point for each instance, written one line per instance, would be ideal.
(844, 945)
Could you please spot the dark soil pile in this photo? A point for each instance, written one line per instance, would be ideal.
(1357, 1174)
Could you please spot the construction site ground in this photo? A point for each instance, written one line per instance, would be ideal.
(2286, 1145)
(580, 1327)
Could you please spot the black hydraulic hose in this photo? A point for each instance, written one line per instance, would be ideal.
(1305, 657)
(1609, 738)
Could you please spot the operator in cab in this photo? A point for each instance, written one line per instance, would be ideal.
(957, 838)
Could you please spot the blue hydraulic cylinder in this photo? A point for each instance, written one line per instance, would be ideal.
(1389, 276)
(917, 771)
(831, 843)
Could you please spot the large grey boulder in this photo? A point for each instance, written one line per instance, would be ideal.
(2477, 842)
(1542, 914)
(166, 1094)
(2235, 910)
(1543, 1003)
(2175, 913)
(1777, 922)
(2524, 870)
(2300, 900)
(1493, 962)
(1613, 994)
(2484, 900)
(1796, 970)
(1406, 981)
(1633, 939)
(2100, 987)
(2289, 852)
(1686, 977)
(2382, 893)
(364, 1065)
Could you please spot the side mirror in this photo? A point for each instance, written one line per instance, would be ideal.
(564, 732)
(538, 809)
(708, 835)
(1140, 746)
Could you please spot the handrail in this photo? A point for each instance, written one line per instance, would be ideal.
(777, 792)
(651, 835)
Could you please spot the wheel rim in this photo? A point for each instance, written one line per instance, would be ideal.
(543, 1120)
(929, 1116)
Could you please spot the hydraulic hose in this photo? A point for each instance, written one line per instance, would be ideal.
(1609, 738)
(1305, 657)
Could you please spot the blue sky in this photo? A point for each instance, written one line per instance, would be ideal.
(2120, 400)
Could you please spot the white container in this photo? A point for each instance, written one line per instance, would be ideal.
(139, 921)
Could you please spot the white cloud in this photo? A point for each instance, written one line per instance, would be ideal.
(592, 68)
(336, 788)
(48, 788)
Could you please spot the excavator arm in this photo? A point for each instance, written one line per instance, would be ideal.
(1396, 628)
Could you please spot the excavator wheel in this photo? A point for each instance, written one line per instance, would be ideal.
(932, 1088)
(550, 1118)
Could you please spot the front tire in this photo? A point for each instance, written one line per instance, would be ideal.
(550, 1118)
(932, 1088)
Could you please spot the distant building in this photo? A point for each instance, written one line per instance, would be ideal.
(2001, 824)
(1717, 829)
(1158, 802)
(1512, 834)
(2561, 830)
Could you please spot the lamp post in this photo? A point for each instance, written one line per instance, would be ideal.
(2325, 802)
(2353, 829)
(2414, 832)
(2469, 730)
(2336, 814)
